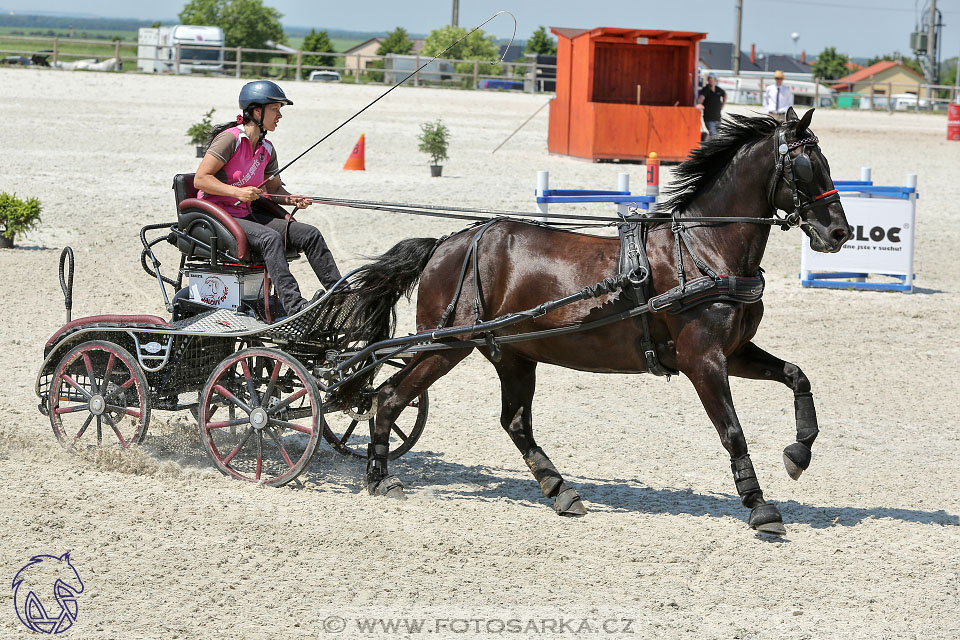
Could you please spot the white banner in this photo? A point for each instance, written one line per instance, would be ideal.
(883, 231)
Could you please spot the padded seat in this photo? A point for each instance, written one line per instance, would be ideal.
(201, 220)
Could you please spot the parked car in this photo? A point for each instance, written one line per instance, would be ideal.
(323, 76)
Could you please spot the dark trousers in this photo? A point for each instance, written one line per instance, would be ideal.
(266, 235)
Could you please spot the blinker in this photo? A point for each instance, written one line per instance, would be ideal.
(802, 168)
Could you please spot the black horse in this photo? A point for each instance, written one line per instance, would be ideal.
(753, 167)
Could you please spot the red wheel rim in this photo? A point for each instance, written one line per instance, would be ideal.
(276, 429)
(99, 395)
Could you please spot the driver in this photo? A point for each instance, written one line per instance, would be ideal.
(238, 158)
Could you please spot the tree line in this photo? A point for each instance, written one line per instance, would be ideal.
(249, 24)
(831, 65)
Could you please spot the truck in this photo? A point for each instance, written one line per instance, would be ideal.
(201, 49)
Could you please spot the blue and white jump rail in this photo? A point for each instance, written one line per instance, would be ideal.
(621, 197)
(883, 220)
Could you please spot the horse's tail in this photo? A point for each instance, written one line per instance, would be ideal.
(380, 284)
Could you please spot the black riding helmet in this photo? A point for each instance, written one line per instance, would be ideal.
(260, 93)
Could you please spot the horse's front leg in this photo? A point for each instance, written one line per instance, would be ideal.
(753, 362)
(707, 369)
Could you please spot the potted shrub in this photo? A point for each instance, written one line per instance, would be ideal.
(199, 132)
(16, 217)
(433, 142)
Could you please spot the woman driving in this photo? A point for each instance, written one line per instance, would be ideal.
(237, 160)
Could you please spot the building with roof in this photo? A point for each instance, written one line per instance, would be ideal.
(623, 93)
(718, 57)
(360, 56)
(885, 77)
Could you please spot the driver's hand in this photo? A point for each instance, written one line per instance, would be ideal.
(301, 202)
(248, 194)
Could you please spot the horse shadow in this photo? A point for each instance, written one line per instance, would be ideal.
(429, 473)
(445, 479)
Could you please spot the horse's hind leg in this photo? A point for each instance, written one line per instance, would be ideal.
(708, 373)
(517, 385)
(753, 362)
(393, 397)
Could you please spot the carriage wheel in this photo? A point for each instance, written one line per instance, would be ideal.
(99, 393)
(348, 432)
(277, 406)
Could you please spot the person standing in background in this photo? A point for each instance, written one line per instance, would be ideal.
(711, 99)
(777, 98)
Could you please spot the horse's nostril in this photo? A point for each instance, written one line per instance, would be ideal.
(839, 234)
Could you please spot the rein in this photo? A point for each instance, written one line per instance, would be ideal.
(482, 215)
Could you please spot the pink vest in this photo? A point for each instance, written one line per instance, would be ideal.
(244, 168)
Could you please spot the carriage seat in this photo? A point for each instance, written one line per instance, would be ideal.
(200, 220)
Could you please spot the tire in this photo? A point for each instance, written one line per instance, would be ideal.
(340, 428)
(99, 382)
(277, 427)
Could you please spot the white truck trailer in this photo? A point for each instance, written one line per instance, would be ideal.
(201, 49)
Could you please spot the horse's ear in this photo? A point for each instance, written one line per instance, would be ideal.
(65, 557)
(805, 120)
(791, 114)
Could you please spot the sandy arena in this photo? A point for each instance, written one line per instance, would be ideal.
(169, 548)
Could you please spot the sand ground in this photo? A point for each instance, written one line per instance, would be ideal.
(168, 548)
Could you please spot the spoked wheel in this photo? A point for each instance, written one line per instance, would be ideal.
(348, 431)
(260, 415)
(99, 394)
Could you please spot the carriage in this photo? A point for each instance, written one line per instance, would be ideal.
(264, 392)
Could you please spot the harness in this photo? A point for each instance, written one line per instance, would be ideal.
(792, 171)
(633, 265)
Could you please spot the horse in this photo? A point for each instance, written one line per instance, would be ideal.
(750, 169)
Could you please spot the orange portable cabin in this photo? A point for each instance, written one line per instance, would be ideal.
(622, 93)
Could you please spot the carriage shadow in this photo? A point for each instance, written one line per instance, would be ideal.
(485, 482)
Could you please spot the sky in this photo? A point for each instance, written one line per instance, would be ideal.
(861, 28)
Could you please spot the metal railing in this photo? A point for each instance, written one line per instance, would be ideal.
(245, 62)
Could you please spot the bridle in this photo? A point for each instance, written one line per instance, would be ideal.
(793, 171)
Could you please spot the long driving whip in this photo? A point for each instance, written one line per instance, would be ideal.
(383, 95)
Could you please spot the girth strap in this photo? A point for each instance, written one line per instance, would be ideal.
(633, 260)
(472, 257)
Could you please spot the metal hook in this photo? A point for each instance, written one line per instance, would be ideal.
(507, 48)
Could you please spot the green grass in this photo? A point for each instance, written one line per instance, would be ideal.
(70, 50)
(79, 34)
(65, 45)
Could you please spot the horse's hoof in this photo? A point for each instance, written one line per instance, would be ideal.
(567, 503)
(390, 487)
(766, 519)
(796, 458)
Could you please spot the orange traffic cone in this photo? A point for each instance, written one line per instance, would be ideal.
(355, 161)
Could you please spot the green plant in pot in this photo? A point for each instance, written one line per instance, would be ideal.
(434, 139)
(199, 132)
(16, 217)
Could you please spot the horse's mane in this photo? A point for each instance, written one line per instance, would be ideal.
(705, 163)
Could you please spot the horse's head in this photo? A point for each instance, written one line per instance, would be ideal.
(802, 185)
